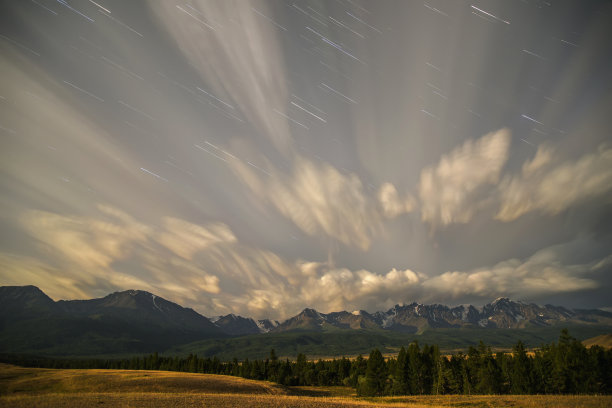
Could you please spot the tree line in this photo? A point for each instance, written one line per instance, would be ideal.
(566, 367)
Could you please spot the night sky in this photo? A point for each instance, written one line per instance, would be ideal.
(262, 157)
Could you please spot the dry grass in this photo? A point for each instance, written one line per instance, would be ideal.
(20, 380)
(35, 387)
(494, 401)
(604, 340)
(185, 400)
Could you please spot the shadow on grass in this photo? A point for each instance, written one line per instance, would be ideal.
(308, 392)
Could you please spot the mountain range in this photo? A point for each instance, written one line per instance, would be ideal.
(138, 321)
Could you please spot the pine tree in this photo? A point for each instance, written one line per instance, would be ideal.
(344, 371)
(358, 370)
(401, 384)
(300, 369)
(272, 367)
(450, 382)
(427, 370)
(284, 374)
(520, 378)
(414, 375)
(375, 377)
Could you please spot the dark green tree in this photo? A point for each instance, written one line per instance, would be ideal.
(520, 378)
(414, 371)
(358, 370)
(401, 385)
(375, 380)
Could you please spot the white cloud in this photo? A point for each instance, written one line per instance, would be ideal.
(107, 252)
(86, 242)
(335, 289)
(542, 158)
(391, 203)
(186, 239)
(22, 270)
(470, 179)
(318, 199)
(541, 274)
(216, 274)
(449, 190)
(550, 185)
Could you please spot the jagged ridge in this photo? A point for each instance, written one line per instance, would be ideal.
(415, 317)
(148, 309)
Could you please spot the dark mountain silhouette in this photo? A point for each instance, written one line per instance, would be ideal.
(136, 321)
(238, 325)
(122, 322)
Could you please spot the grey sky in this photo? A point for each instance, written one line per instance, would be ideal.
(262, 157)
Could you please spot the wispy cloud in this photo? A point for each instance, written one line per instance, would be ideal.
(541, 274)
(550, 184)
(391, 202)
(109, 252)
(470, 178)
(215, 273)
(319, 200)
(186, 239)
(450, 192)
(237, 53)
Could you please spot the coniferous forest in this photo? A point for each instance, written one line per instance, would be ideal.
(565, 367)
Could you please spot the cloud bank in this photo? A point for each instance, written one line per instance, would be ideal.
(206, 267)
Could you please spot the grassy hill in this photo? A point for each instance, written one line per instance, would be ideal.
(28, 387)
(603, 340)
(338, 342)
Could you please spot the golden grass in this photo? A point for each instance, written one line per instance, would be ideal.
(494, 401)
(36, 387)
(20, 380)
(603, 340)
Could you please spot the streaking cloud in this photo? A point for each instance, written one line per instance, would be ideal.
(449, 190)
(220, 55)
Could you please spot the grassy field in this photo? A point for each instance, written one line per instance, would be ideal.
(35, 387)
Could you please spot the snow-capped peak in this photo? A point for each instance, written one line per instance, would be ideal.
(500, 299)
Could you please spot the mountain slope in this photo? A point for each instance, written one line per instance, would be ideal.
(502, 313)
(140, 306)
(603, 340)
(122, 322)
(237, 325)
(19, 301)
(136, 321)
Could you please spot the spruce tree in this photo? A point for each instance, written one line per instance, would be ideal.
(375, 377)
(520, 381)
(401, 384)
(414, 374)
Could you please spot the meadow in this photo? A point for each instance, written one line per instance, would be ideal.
(38, 387)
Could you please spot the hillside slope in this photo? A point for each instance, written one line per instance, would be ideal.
(603, 340)
(122, 322)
